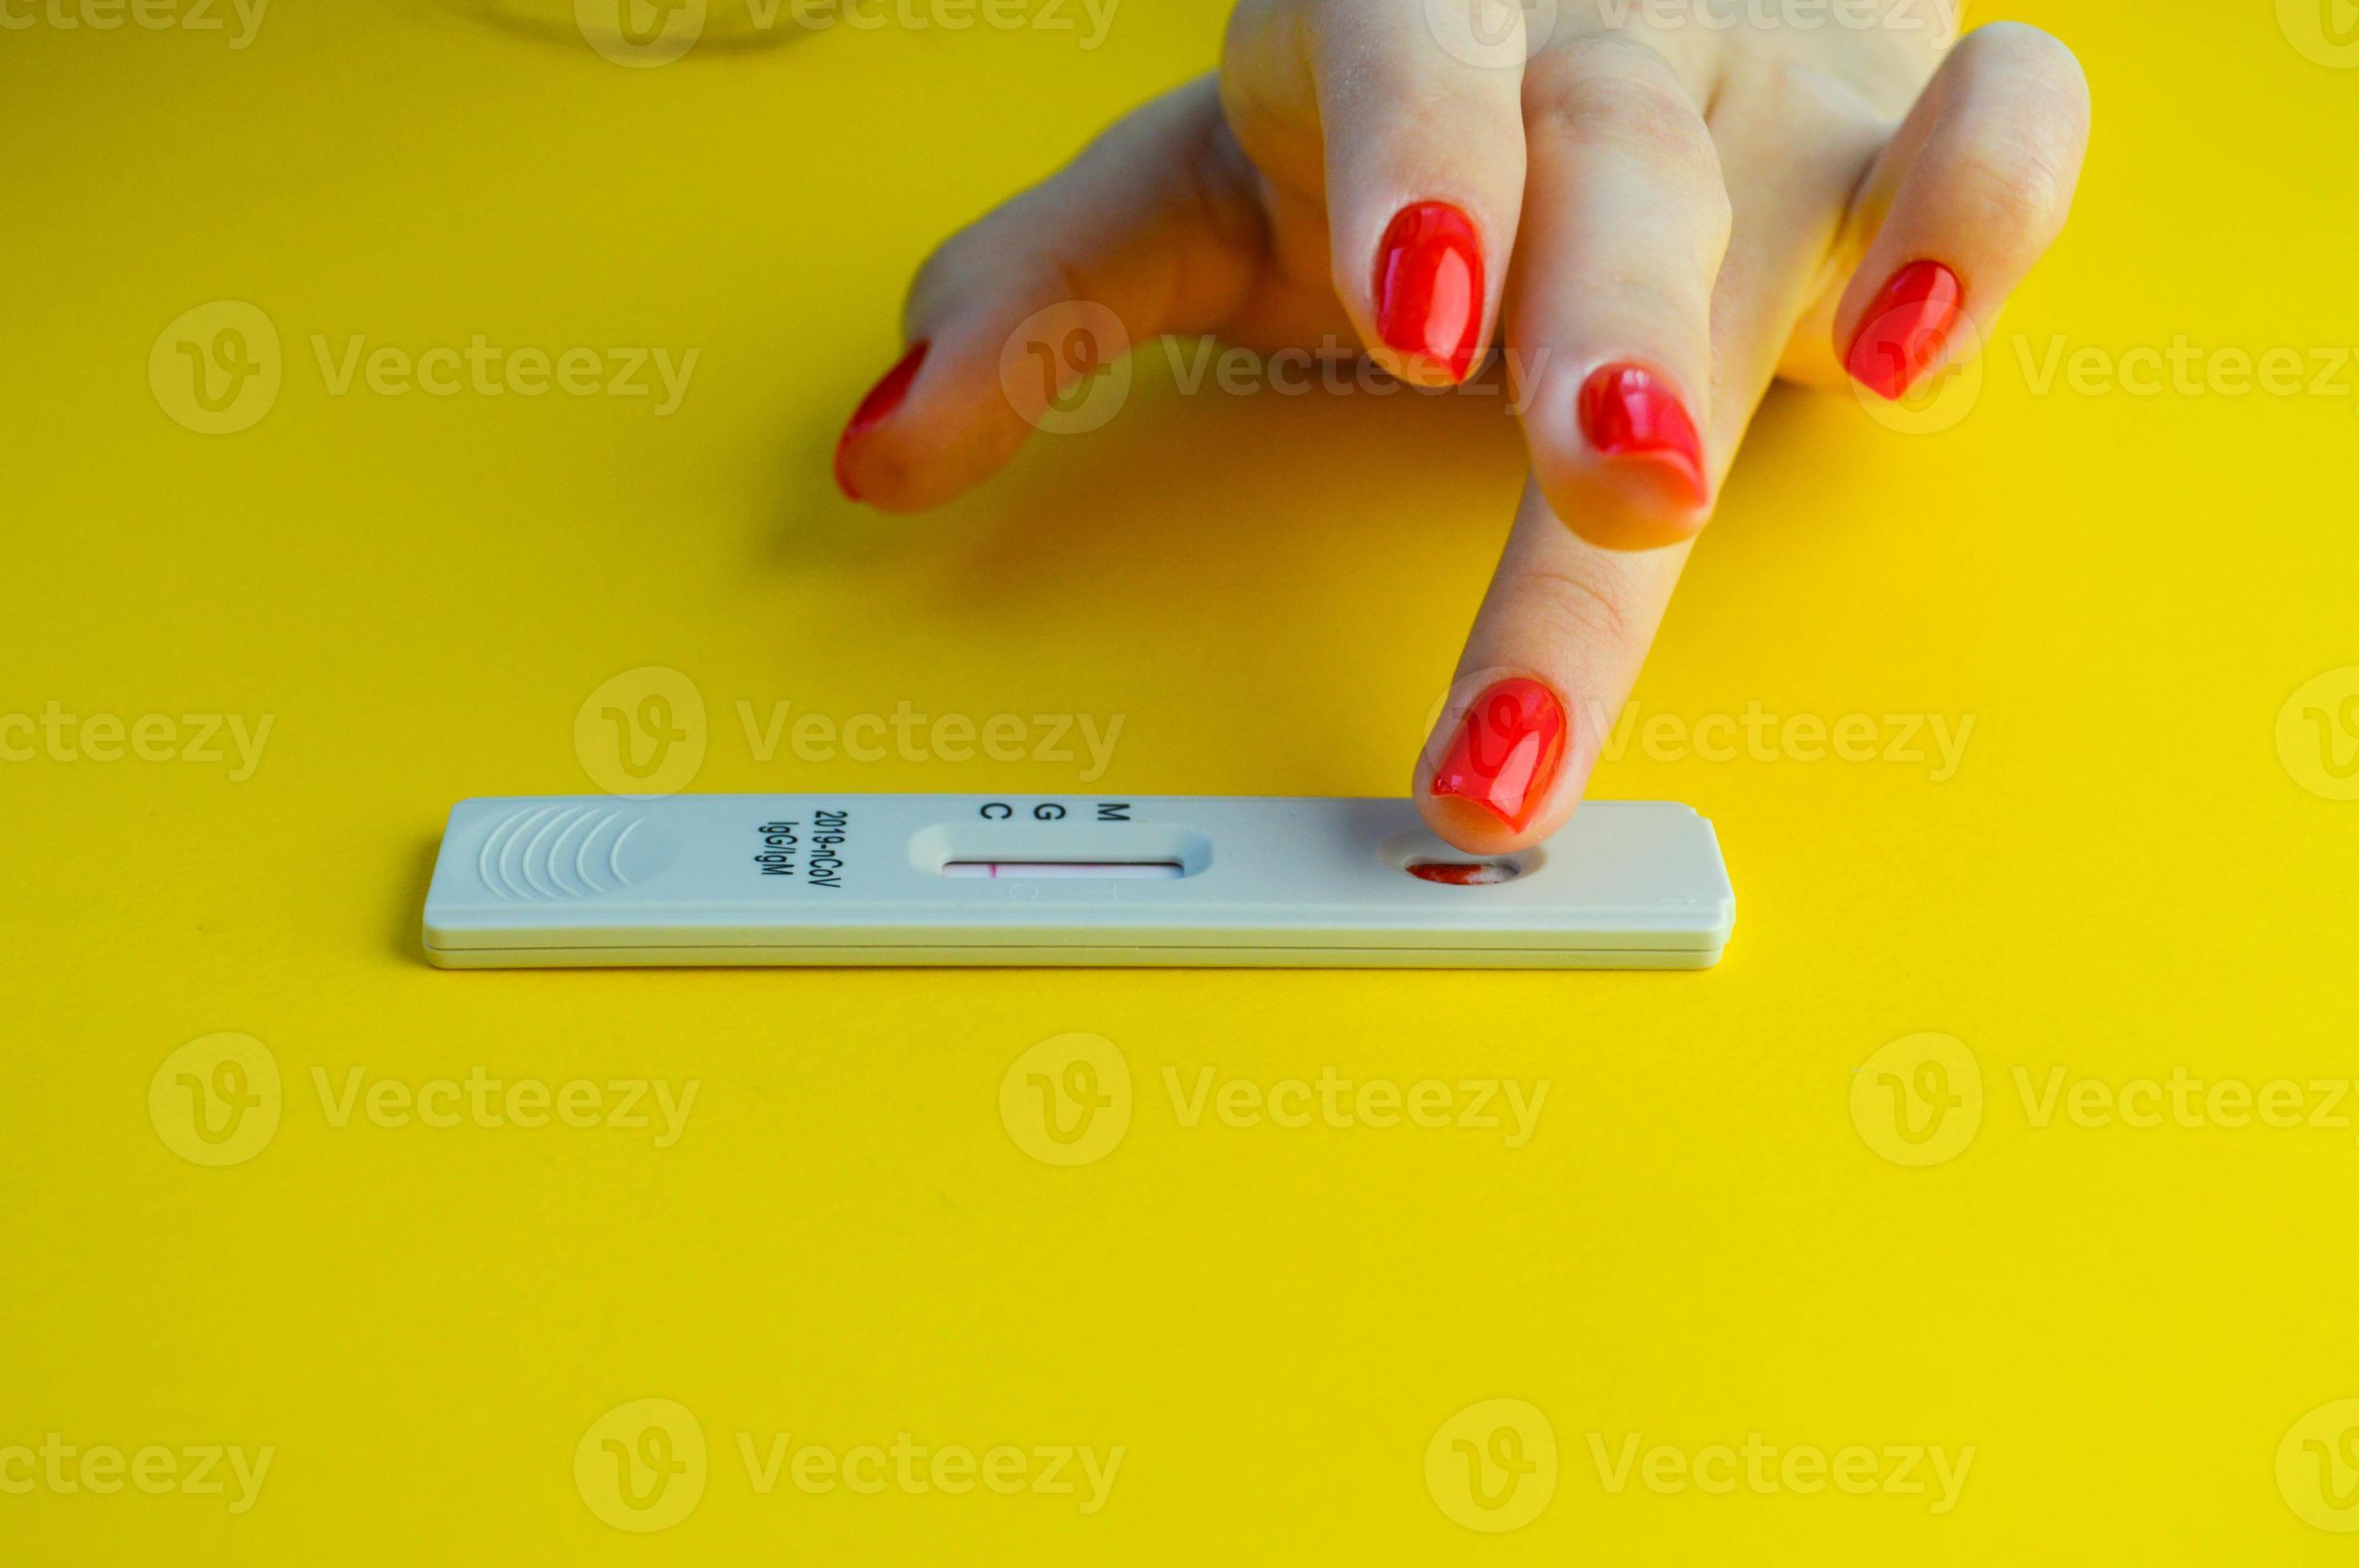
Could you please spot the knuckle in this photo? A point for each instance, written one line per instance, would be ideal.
(1578, 606)
(1603, 90)
(2039, 60)
(2012, 154)
(2015, 191)
(2020, 45)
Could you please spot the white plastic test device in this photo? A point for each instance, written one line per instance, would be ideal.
(1024, 879)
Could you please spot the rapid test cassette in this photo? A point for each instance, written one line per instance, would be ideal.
(920, 879)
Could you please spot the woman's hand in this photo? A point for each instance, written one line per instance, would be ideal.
(1658, 205)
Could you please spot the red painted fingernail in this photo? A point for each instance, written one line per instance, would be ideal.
(873, 410)
(1628, 411)
(1507, 752)
(1905, 329)
(1430, 286)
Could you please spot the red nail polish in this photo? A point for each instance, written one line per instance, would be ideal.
(1507, 752)
(1628, 411)
(873, 410)
(1907, 328)
(1430, 286)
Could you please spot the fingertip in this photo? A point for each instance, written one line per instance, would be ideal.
(871, 474)
(1626, 503)
(879, 483)
(1430, 292)
(898, 470)
(1904, 332)
(1470, 826)
(1631, 528)
(855, 457)
(1497, 767)
(1624, 468)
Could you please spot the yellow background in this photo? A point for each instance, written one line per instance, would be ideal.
(847, 1243)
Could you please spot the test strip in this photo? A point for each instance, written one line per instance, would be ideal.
(1034, 880)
